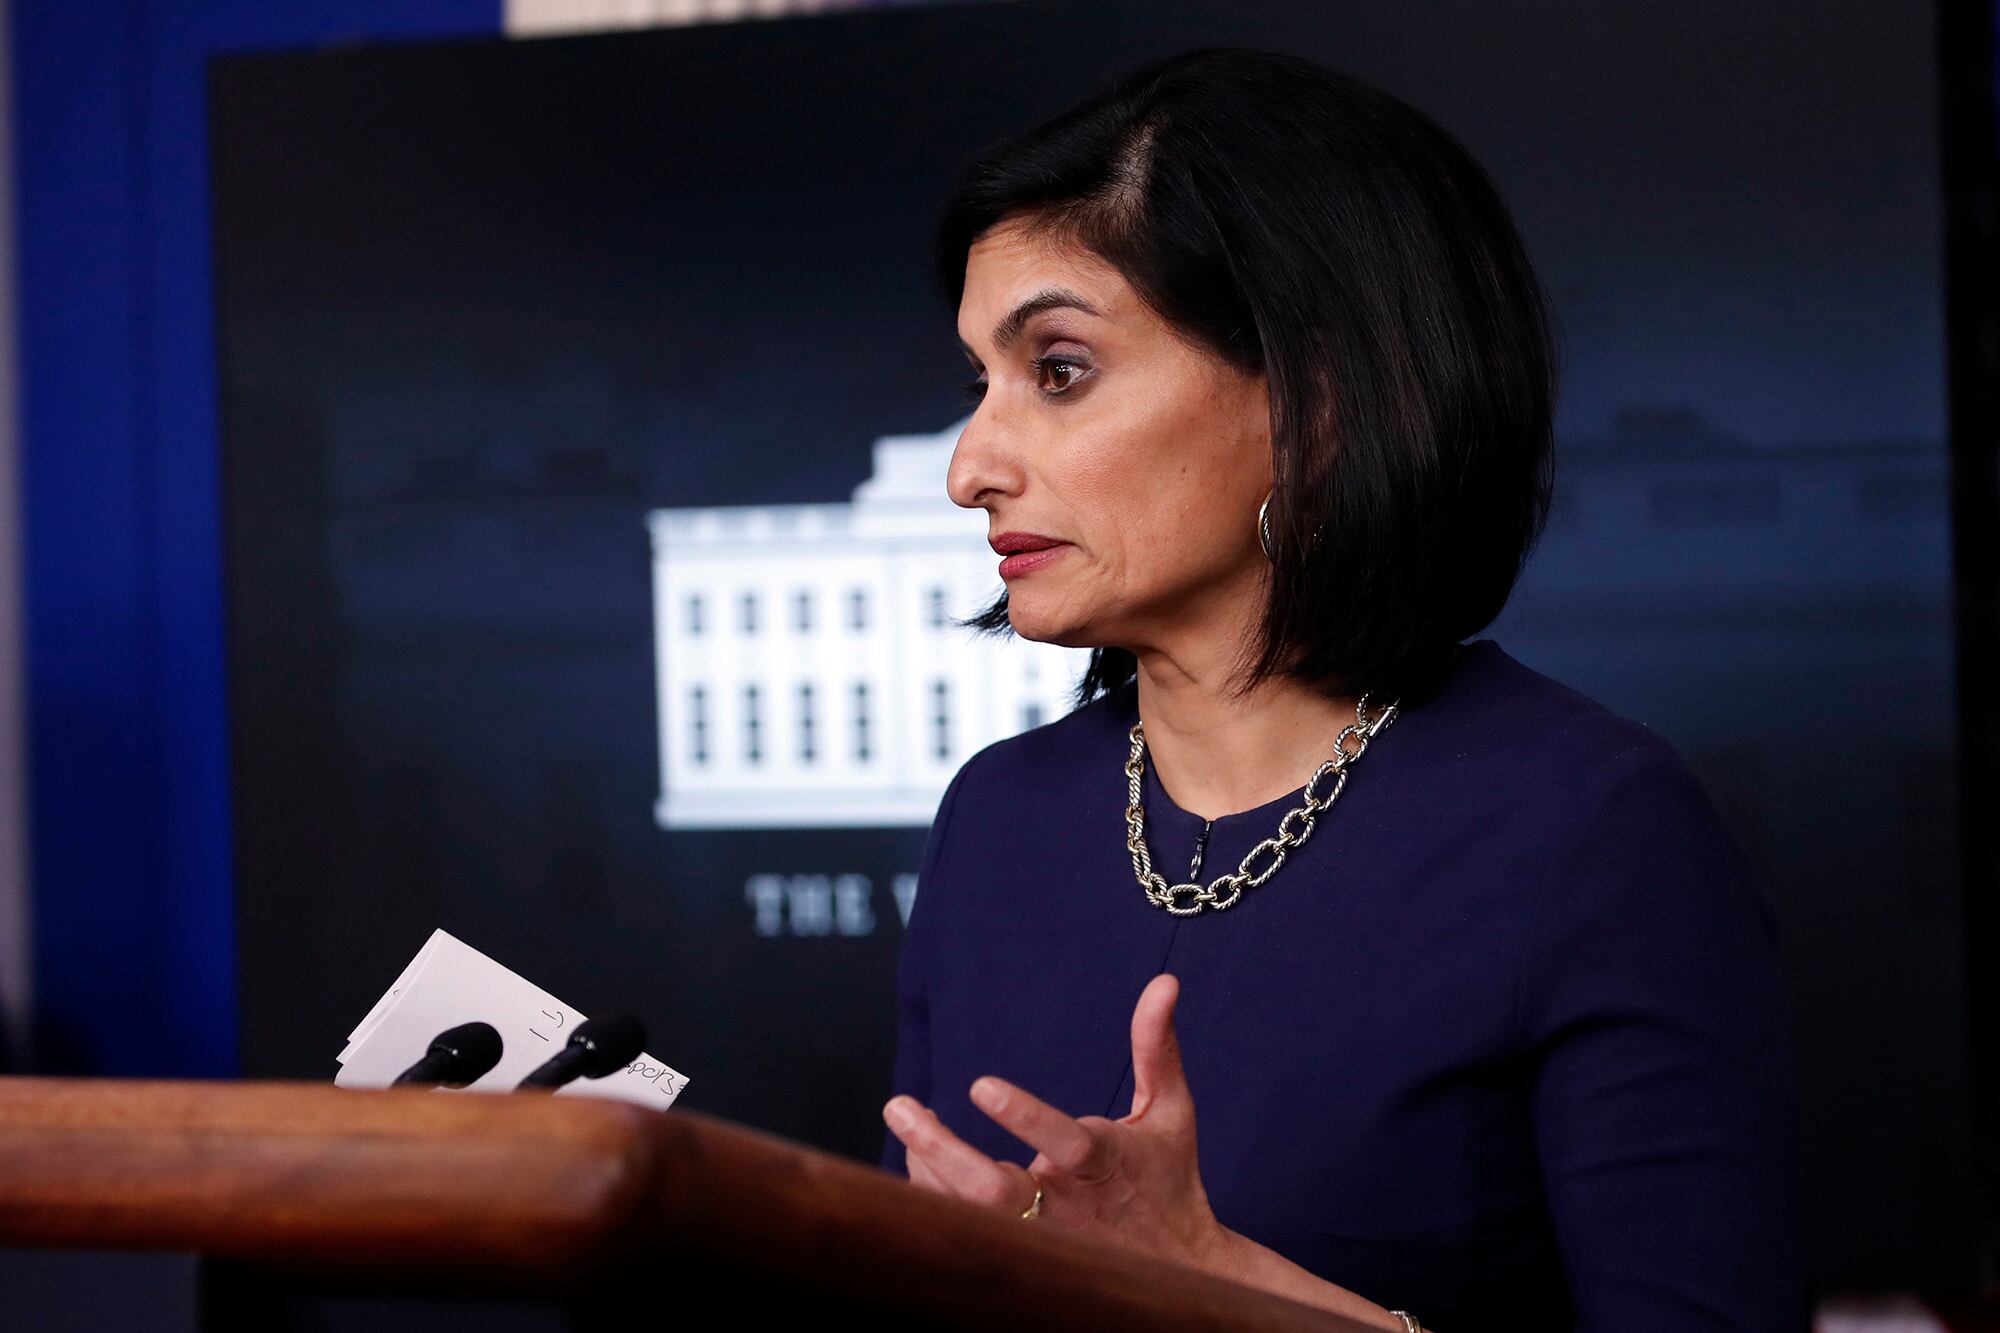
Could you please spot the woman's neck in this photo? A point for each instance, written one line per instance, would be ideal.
(1219, 753)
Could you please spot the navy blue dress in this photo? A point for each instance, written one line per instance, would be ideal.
(1505, 1044)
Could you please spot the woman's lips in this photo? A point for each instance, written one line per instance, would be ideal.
(1022, 561)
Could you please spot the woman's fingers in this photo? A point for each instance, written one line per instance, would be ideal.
(921, 1174)
(1067, 1145)
(955, 1166)
(1159, 1084)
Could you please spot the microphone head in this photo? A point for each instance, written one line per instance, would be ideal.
(472, 1050)
(611, 1043)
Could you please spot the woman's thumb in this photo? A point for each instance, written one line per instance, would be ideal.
(1159, 1085)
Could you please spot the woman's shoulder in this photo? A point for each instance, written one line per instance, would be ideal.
(1047, 759)
(1046, 785)
(1031, 796)
(1614, 803)
(1499, 714)
(1526, 762)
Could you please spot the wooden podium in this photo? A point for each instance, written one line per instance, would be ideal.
(593, 1210)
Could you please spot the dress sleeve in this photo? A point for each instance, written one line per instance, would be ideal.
(1665, 1098)
(913, 1034)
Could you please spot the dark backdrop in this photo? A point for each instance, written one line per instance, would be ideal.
(482, 305)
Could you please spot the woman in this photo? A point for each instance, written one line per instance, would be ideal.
(1493, 1036)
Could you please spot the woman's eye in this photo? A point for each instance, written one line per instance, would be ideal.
(1053, 375)
(1070, 371)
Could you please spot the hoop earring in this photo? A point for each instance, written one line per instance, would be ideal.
(1264, 529)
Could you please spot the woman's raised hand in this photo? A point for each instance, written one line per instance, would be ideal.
(1134, 1180)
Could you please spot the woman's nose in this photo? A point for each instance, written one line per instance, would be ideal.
(982, 467)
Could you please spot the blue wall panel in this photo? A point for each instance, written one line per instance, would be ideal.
(128, 753)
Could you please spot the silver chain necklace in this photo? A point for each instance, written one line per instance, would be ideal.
(1293, 829)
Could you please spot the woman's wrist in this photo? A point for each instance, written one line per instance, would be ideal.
(1240, 1259)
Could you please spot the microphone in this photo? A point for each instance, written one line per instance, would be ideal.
(457, 1056)
(598, 1047)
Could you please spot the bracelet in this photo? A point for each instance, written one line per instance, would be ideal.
(1410, 1324)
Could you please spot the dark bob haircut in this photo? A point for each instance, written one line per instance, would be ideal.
(1300, 223)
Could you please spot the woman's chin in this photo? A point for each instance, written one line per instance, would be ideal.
(1042, 626)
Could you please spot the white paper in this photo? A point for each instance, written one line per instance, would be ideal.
(449, 982)
(390, 996)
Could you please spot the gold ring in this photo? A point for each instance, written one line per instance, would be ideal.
(1034, 1209)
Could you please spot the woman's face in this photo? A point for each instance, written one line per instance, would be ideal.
(1120, 468)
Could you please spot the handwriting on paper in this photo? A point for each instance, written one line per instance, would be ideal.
(450, 982)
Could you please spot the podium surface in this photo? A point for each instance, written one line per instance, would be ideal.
(571, 1199)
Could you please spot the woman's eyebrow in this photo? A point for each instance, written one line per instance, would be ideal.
(1049, 298)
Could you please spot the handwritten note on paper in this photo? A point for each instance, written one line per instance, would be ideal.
(449, 982)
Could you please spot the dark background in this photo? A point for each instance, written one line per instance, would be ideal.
(481, 305)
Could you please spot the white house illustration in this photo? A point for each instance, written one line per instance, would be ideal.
(811, 671)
